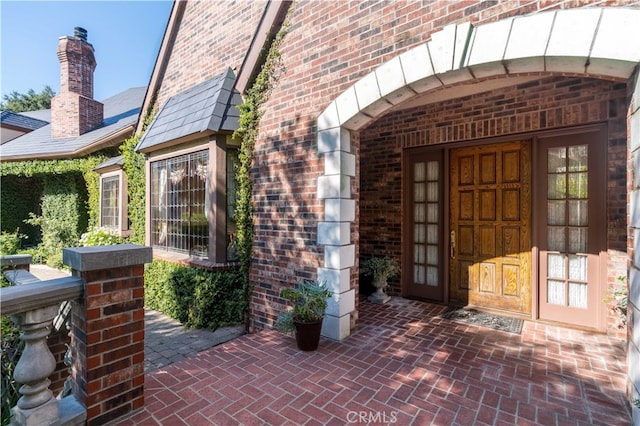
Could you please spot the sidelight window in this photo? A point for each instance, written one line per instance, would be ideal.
(426, 207)
(567, 225)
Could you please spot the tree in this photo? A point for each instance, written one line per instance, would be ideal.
(30, 101)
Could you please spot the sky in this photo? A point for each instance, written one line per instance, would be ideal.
(126, 37)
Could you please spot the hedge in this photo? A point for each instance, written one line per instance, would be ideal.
(196, 297)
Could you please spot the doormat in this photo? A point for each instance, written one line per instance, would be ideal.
(483, 319)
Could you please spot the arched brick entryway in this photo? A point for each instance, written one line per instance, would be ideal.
(594, 42)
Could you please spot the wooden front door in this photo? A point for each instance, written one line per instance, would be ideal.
(490, 226)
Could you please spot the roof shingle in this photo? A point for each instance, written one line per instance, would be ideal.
(21, 120)
(120, 111)
(208, 106)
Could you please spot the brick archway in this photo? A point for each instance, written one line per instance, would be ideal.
(589, 41)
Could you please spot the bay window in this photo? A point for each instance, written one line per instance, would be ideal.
(179, 204)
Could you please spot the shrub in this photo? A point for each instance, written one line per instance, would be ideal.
(157, 291)
(10, 242)
(380, 268)
(219, 299)
(99, 237)
(196, 297)
(38, 256)
(63, 216)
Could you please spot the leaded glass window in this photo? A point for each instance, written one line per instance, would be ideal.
(179, 204)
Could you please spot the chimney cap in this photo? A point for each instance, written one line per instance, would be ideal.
(80, 33)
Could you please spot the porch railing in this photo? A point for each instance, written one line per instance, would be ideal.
(33, 307)
(107, 308)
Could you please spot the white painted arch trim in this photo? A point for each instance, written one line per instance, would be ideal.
(601, 42)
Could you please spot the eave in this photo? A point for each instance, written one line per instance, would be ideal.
(110, 140)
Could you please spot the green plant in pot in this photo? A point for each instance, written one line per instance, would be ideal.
(305, 318)
(381, 269)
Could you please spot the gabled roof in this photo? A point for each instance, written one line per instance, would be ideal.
(20, 120)
(113, 163)
(208, 107)
(121, 114)
(272, 19)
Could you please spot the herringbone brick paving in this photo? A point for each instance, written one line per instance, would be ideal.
(404, 365)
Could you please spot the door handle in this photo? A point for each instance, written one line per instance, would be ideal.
(452, 244)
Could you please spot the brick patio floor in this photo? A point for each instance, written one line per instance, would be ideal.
(404, 365)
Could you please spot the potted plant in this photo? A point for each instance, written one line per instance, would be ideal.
(381, 269)
(305, 319)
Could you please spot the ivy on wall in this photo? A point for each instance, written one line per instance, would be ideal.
(18, 197)
(83, 166)
(67, 202)
(57, 185)
(251, 111)
(134, 169)
(133, 166)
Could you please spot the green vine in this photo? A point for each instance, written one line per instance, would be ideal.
(251, 111)
(20, 196)
(83, 166)
(92, 181)
(134, 169)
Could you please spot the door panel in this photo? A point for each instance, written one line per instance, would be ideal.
(423, 234)
(490, 264)
(572, 227)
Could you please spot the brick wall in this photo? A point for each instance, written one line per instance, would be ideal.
(329, 47)
(77, 64)
(214, 35)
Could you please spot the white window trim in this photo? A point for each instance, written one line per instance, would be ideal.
(122, 229)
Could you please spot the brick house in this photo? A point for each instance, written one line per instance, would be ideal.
(76, 126)
(492, 148)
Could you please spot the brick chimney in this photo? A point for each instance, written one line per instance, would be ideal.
(73, 110)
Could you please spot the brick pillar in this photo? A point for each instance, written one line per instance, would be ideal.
(57, 342)
(107, 329)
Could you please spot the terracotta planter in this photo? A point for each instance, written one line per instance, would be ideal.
(308, 335)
